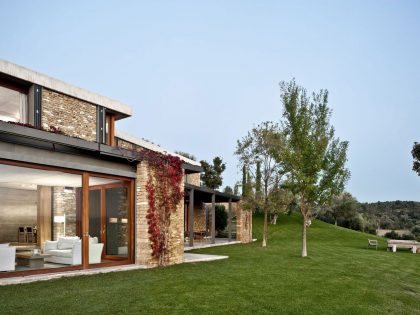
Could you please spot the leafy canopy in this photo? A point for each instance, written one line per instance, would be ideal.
(314, 158)
(212, 173)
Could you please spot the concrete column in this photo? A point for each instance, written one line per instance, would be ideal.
(230, 220)
(191, 219)
(213, 219)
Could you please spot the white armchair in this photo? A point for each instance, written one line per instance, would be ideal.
(7, 257)
(68, 250)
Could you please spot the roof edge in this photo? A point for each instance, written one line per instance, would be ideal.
(32, 76)
(151, 146)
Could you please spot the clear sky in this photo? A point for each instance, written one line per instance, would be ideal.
(199, 74)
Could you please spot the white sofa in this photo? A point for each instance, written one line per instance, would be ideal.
(68, 250)
(7, 257)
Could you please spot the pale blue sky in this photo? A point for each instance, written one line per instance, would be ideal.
(200, 74)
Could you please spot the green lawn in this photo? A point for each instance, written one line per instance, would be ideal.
(340, 276)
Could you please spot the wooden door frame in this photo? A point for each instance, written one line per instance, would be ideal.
(103, 227)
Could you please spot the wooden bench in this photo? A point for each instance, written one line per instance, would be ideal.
(412, 245)
(373, 243)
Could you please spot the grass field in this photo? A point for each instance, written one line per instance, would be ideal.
(340, 276)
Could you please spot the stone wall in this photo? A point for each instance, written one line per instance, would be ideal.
(193, 179)
(126, 145)
(200, 217)
(243, 224)
(74, 117)
(176, 242)
(64, 203)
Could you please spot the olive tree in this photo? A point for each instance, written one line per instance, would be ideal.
(255, 152)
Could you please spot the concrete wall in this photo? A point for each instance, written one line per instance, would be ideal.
(18, 207)
(74, 117)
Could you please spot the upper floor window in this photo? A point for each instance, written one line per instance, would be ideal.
(13, 105)
(110, 129)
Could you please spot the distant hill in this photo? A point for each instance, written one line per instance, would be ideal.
(392, 215)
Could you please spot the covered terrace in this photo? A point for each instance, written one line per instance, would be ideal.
(196, 196)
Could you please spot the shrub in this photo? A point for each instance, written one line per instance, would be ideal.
(221, 218)
(392, 235)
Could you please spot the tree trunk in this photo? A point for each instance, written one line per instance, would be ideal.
(264, 242)
(304, 227)
(274, 219)
(335, 222)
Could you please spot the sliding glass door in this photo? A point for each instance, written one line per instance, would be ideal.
(109, 218)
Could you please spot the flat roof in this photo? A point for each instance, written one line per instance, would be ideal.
(153, 147)
(31, 76)
(203, 194)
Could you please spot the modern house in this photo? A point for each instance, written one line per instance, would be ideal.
(72, 188)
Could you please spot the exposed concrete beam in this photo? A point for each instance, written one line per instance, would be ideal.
(31, 76)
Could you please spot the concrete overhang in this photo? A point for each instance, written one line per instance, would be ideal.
(189, 165)
(27, 75)
(32, 137)
(203, 194)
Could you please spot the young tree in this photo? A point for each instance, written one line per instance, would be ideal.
(212, 173)
(314, 158)
(278, 201)
(256, 149)
(343, 207)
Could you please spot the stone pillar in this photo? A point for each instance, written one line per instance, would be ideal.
(142, 245)
(243, 224)
(213, 219)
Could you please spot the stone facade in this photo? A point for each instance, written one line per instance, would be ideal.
(64, 203)
(193, 179)
(74, 117)
(176, 242)
(243, 225)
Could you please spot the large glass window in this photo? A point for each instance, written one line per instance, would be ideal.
(41, 216)
(13, 105)
(40, 219)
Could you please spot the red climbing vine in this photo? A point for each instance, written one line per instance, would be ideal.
(164, 193)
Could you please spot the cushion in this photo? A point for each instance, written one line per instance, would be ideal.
(67, 242)
(48, 245)
(61, 252)
(4, 245)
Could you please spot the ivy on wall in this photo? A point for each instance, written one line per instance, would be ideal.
(164, 193)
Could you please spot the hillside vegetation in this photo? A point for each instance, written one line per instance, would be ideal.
(340, 276)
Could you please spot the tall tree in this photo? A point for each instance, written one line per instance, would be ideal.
(236, 189)
(258, 191)
(228, 190)
(314, 158)
(212, 173)
(187, 155)
(256, 149)
(244, 181)
(415, 152)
